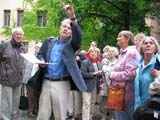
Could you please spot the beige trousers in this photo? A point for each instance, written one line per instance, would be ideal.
(88, 104)
(54, 98)
(75, 103)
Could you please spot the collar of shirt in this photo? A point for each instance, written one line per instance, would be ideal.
(15, 44)
(58, 39)
(123, 51)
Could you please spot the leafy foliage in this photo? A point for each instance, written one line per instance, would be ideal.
(154, 12)
(101, 20)
(116, 16)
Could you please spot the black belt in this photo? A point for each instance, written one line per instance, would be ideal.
(59, 79)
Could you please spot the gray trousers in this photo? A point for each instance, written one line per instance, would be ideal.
(10, 97)
(54, 98)
(75, 103)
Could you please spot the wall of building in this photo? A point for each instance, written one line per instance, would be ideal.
(11, 5)
(155, 24)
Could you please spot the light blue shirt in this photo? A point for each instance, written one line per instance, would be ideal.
(58, 68)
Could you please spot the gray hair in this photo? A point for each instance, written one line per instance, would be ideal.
(106, 47)
(65, 21)
(115, 49)
(155, 43)
(139, 35)
(128, 35)
(94, 49)
(17, 29)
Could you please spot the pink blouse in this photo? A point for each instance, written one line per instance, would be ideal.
(123, 71)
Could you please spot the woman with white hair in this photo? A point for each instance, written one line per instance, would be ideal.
(107, 64)
(149, 51)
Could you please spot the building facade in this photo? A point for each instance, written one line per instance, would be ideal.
(11, 14)
(155, 24)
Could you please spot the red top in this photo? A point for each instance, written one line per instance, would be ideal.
(98, 58)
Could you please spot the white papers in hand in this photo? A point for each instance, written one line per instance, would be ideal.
(32, 58)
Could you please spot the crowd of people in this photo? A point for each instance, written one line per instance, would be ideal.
(76, 80)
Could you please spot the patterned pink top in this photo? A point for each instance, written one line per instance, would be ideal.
(123, 71)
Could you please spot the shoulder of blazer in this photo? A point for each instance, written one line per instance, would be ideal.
(86, 61)
(51, 41)
(45, 47)
(48, 42)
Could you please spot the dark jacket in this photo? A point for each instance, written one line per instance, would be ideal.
(68, 55)
(87, 70)
(148, 110)
(11, 63)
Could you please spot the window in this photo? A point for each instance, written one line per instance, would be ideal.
(42, 18)
(20, 14)
(7, 15)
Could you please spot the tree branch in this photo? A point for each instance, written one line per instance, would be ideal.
(104, 16)
(115, 6)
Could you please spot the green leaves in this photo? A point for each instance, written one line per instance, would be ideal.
(101, 20)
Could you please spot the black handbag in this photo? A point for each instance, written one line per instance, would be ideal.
(147, 109)
(157, 64)
(23, 105)
(37, 79)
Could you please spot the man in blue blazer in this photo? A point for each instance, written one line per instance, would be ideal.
(59, 53)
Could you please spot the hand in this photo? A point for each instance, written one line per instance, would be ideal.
(43, 65)
(154, 73)
(78, 58)
(98, 73)
(68, 9)
(134, 73)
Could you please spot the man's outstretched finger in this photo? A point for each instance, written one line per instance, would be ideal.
(71, 2)
(62, 3)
